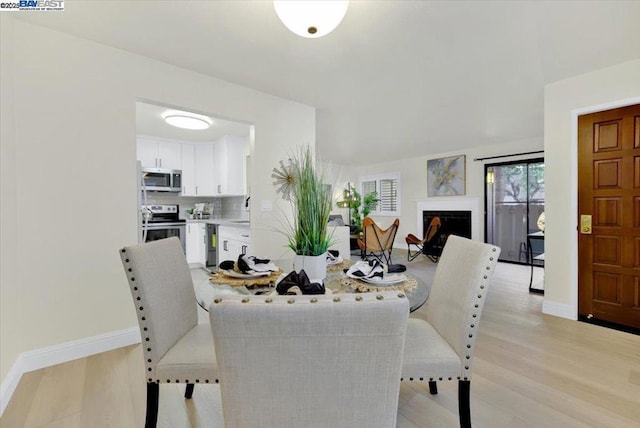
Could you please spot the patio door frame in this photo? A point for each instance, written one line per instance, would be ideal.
(486, 197)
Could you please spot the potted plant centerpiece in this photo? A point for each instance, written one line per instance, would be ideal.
(302, 184)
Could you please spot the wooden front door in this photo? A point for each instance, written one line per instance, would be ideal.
(609, 192)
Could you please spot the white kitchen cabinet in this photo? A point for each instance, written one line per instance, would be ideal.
(204, 169)
(229, 171)
(159, 153)
(188, 170)
(196, 246)
(197, 169)
(232, 242)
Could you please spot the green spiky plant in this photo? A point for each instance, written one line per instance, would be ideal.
(311, 199)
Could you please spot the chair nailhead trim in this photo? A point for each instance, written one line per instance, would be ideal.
(379, 297)
(468, 346)
(245, 300)
(206, 381)
(421, 378)
(358, 298)
(491, 258)
(482, 287)
(485, 277)
(123, 250)
(493, 249)
(466, 367)
(290, 301)
(218, 300)
(126, 260)
(148, 349)
(468, 357)
(400, 295)
(476, 305)
(479, 297)
(268, 300)
(488, 267)
(336, 299)
(449, 378)
(474, 315)
(473, 325)
(197, 380)
(411, 379)
(313, 300)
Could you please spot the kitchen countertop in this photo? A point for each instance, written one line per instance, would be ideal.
(234, 222)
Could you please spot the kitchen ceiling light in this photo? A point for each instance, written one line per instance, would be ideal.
(187, 122)
(311, 19)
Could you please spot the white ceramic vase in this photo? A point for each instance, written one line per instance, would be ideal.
(314, 266)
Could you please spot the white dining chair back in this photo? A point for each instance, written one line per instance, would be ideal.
(310, 361)
(442, 346)
(175, 347)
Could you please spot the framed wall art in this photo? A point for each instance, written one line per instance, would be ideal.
(446, 176)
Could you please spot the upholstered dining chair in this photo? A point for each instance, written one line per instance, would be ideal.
(175, 347)
(310, 361)
(442, 346)
(377, 242)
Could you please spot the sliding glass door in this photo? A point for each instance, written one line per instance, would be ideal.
(514, 202)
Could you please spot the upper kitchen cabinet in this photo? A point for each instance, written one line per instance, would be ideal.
(229, 171)
(198, 169)
(158, 153)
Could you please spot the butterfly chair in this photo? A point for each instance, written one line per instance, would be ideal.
(176, 348)
(310, 361)
(430, 234)
(442, 346)
(377, 242)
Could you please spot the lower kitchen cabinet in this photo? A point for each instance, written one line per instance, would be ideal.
(196, 243)
(232, 242)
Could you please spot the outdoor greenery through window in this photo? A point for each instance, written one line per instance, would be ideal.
(387, 190)
(515, 200)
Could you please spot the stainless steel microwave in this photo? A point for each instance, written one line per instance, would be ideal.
(162, 180)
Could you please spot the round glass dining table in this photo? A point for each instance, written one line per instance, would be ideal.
(336, 281)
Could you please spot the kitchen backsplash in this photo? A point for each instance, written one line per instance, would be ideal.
(229, 207)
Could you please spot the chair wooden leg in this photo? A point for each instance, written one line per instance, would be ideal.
(153, 394)
(433, 387)
(464, 404)
(188, 392)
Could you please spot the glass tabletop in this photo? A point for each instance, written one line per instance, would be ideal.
(336, 281)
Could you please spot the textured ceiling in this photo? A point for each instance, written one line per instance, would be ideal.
(395, 79)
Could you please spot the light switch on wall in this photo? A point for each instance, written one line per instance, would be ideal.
(266, 205)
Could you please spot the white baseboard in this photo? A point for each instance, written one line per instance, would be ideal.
(56, 354)
(559, 310)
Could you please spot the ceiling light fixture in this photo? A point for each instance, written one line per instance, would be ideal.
(187, 121)
(311, 19)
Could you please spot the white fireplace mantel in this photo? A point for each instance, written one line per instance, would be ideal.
(451, 204)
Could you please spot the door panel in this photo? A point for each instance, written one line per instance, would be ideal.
(609, 191)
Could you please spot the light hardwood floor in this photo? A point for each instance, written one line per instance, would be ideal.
(530, 370)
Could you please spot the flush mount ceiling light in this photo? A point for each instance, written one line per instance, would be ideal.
(187, 121)
(311, 19)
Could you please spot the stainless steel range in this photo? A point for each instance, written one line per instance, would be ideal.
(162, 221)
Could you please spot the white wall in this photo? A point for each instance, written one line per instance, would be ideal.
(564, 100)
(69, 176)
(414, 182)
